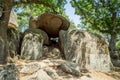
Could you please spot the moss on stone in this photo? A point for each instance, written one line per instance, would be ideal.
(106, 50)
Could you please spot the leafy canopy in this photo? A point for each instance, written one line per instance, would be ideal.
(25, 11)
(102, 15)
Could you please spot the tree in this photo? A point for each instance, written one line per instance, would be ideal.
(5, 8)
(101, 15)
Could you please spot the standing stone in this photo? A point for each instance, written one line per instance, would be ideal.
(32, 44)
(87, 49)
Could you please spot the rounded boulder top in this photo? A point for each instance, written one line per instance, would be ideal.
(50, 23)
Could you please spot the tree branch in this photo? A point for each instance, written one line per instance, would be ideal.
(80, 9)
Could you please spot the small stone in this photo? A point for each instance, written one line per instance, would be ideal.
(9, 72)
(39, 75)
(52, 73)
(30, 68)
(56, 52)
(71, 68)
(42, 75)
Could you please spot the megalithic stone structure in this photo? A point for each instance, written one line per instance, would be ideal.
(50, 23)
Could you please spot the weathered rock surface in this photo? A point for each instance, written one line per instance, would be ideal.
(71, 68)
(30, 68)
(9, 72)
(52, 73)
(87, 49)
(51, 52)
(50, 23)
(13, 37)
(96, 76)
(39, 75)
(13, 20)
(32, 44)
(35, 66)
(42, 75)
(42, 70)
(116, 62)
(50, 69)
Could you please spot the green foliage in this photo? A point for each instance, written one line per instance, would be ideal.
(102, 15)
(118, 44)
(72, 26)
(24, 12)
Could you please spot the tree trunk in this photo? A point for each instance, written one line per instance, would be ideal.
(112, 43)
(7, 6)
(3, 44)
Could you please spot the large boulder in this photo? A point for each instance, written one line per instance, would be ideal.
(50, 23)
(32, 44)
(88, 49)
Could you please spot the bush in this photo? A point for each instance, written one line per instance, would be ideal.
(117, 44)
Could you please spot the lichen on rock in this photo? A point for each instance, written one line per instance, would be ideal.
(87, 49)
(32, 44)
